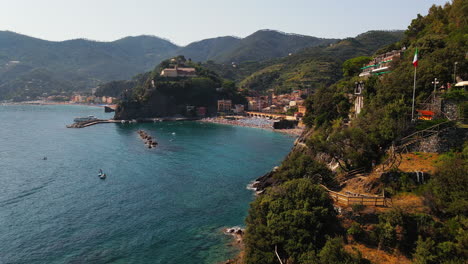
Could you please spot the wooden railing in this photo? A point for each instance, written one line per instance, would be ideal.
(356, 199)
(354, 172)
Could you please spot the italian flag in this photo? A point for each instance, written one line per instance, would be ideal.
(415, 60)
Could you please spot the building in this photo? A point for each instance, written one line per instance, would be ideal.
(301, 109)
(298, 115)
(238, 109)
(224, 105)
(178, 72)
(201, 111)
(253, 105)
(381, 63)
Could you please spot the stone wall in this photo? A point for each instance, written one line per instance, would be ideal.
(446, 140)
(450, 109)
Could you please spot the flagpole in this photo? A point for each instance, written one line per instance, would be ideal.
(414, 93)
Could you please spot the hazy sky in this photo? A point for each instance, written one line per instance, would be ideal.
(184, 21)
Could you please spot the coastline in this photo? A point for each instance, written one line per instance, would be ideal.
(296, 132)
(237, 235)
(55, 103)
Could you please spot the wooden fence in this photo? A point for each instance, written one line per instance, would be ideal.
(356, 199)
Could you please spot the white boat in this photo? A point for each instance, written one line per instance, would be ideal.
(85, 119)
(101, 175)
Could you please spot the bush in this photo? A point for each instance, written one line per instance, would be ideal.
(356, 231)
(303, 165)
(333, 252)
(295, 216)
(447, 193)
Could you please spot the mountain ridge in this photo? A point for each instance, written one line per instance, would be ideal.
(84, 64)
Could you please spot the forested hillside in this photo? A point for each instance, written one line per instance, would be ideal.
(30, 67)
(427, 221)
(268, 44)
(154, 95)
(317, 66)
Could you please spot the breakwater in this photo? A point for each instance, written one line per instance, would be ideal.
(91, 123)
(149, 141)
(140, 120)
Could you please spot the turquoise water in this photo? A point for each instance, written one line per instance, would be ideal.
(163, 205)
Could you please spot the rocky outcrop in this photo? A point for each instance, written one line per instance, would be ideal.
(450, 109)
(108, 109)
(157, 105)
(264, 182)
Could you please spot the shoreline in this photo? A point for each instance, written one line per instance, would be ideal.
(237, 236)
(55, 103)
(296, 132)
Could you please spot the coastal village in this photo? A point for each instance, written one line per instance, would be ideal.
(374, 168)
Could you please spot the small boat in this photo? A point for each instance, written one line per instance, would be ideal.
(101, 175)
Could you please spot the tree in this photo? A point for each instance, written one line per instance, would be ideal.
(448, 195)
(353, 66)
(295, 216)
(425, 251)
(333, 252)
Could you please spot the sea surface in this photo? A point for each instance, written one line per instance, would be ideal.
(163, 205)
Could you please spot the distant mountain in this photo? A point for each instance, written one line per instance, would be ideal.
(80, 64)
(208, 49)
(268, 44)
(315, 66)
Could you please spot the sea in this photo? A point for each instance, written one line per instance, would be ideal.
(163, 205)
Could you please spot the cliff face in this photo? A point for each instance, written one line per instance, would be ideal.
(158, 105)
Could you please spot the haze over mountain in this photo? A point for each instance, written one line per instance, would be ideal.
(311, 67)
(30, 67)
(259, 46)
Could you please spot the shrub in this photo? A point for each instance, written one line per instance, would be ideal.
(295, 216)
(356, 231)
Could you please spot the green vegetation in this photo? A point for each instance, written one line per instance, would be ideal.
(79, 64)
(319, 66)
(295, 217)
(437, 234)
(353, 66)
(31, 67)
(333, 252)
(117, 88)
(155, 95)
(302, 165)
(268, 44)
(447, 191)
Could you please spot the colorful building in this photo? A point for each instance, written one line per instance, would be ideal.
(179, 72)
(381, 64)
(224, 105)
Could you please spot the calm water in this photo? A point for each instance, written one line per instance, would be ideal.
(165, 205)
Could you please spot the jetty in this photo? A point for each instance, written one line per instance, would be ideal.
(139, 120)
(91, 123)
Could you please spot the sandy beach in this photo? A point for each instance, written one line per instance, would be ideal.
(252, 122)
